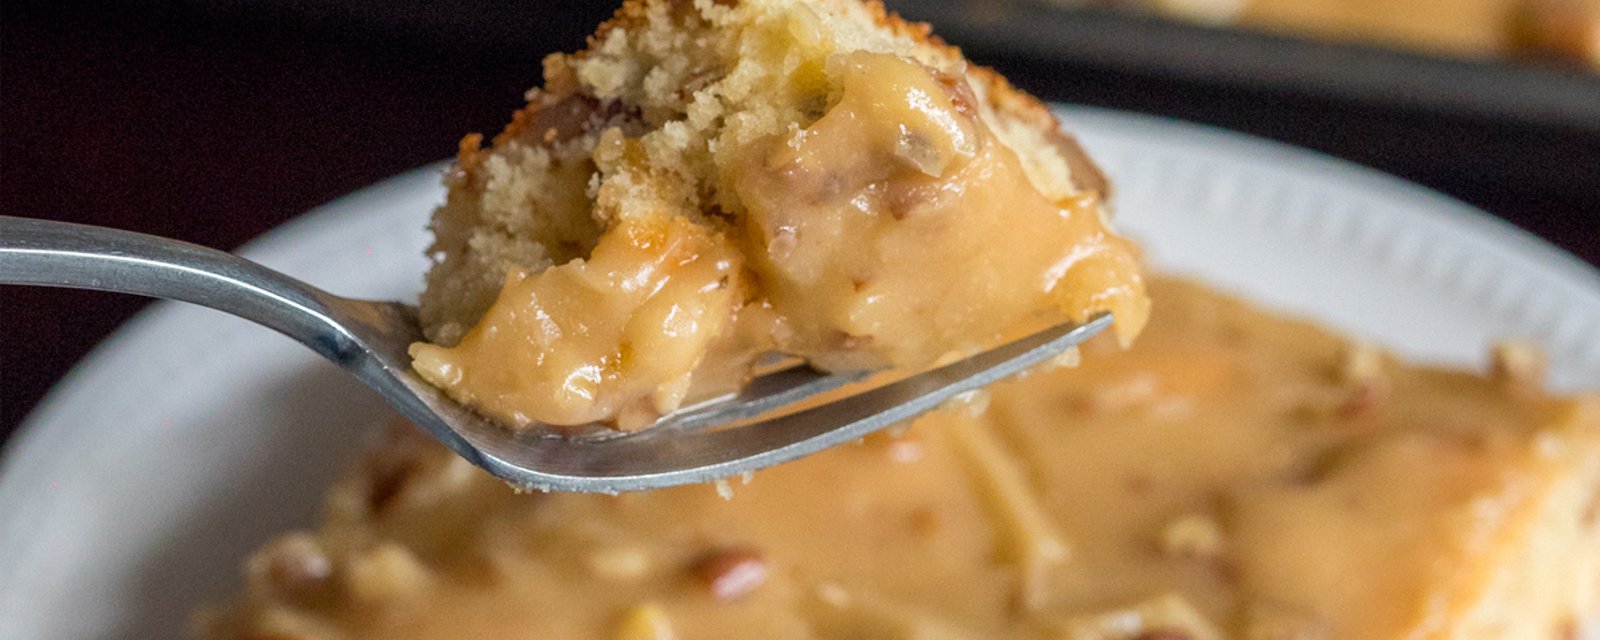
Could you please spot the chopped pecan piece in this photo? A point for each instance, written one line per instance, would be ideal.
(1165, 634)
(1364, 400)
(731, 572)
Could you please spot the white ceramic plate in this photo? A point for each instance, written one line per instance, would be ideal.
(189, 437)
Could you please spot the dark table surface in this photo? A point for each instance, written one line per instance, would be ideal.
(213, 122)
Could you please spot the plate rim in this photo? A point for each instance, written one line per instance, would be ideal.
(1440, 205)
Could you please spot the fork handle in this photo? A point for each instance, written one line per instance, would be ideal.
(60, 254)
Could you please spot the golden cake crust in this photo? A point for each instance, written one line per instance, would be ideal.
(1002, 96)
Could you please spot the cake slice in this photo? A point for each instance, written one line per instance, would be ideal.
(711, 181)
(1234, 475)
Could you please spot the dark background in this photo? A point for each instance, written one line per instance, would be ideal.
(215, 121)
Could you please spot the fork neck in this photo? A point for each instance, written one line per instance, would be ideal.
(60, 254)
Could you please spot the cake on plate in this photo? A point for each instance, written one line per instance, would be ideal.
(1234, 475)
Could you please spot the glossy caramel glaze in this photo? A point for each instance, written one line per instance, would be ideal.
(1234, 475)
(892, 228)
(897, 229)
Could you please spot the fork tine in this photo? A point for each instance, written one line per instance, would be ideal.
(654, 458)
(764, 394)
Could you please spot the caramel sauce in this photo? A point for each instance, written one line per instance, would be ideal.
(893, 231)
(897, 229)
(615, 336)
(1200, 486)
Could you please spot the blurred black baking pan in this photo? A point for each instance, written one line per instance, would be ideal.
(1505, 91)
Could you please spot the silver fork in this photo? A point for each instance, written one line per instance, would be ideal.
(369, 340)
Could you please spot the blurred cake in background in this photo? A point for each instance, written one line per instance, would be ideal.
(1566, 29)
